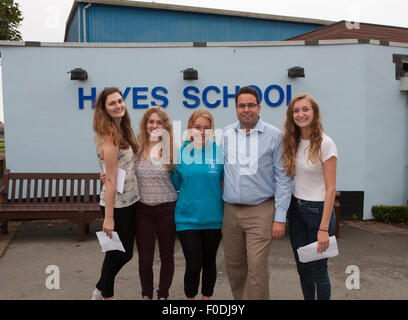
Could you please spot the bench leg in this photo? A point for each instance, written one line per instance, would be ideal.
(4, 227)
(81, 232)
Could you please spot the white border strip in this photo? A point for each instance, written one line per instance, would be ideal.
(398, 44)
(338, 41)
(12, 43)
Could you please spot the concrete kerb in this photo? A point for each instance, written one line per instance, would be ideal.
(378, 227)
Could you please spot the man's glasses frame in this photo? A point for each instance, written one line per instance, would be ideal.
(250, 105)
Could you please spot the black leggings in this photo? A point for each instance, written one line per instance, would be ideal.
(124, 219)
(200, 251)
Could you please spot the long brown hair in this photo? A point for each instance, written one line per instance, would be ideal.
(291, 135)
(143, 136)
(103, 124)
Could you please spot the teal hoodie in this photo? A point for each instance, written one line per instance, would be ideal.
(198, 178)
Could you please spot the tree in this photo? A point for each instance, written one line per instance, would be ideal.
(10, 20)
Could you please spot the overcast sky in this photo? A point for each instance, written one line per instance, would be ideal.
(44, 20)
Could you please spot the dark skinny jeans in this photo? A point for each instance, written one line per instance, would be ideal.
(114, 260)
(304, 221)
(156, 222)
(200, 251)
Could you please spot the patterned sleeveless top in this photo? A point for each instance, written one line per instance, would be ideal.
(154, 182)
(126, 161)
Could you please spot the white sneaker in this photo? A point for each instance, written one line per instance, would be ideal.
(97, 295)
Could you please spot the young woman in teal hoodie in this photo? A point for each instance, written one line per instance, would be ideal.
(198, 177)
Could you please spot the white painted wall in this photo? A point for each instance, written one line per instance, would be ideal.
(362, 108)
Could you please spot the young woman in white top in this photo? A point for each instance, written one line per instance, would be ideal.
(310, 156)
(116, 148)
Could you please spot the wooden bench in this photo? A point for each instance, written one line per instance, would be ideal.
(70, 196)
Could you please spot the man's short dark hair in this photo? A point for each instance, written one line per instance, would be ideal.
(249, 90)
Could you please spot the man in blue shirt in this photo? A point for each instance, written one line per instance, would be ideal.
(256, 197)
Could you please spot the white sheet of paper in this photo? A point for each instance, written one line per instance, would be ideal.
(120, 178)
(108, 244)
(309, 253)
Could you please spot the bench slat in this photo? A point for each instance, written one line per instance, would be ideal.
(86, 196)
(57, 186)
(71, 193)
(35, 190)
(13, 190)
(46, 207)
(64, 190)
(54, 175)
(95, 190)
(79, 189)
(43, 190)
(20, 190)
(50, 183)
(28, 195)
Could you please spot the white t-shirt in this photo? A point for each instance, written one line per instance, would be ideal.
(309, 179)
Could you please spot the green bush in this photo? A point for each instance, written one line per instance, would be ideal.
(390, 214)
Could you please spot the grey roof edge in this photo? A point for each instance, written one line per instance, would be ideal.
(70, 17)
(164, 6)
(194, 44)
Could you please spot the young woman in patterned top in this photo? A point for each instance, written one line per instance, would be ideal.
(116, 148)
(155, 209)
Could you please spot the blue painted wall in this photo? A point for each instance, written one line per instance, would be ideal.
(74, 28)
(109, 23)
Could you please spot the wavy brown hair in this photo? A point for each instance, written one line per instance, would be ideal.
(104, 126)
(291, 135)
(143, 137)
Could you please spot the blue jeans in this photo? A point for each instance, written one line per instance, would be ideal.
(304, 221)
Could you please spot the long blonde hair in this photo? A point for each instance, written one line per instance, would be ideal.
(143, 137)
(104, 126)
(291, 135)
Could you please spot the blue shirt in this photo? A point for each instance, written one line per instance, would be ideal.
(198, 178)
(254, 168)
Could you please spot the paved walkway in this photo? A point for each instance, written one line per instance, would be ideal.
(379, 251)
